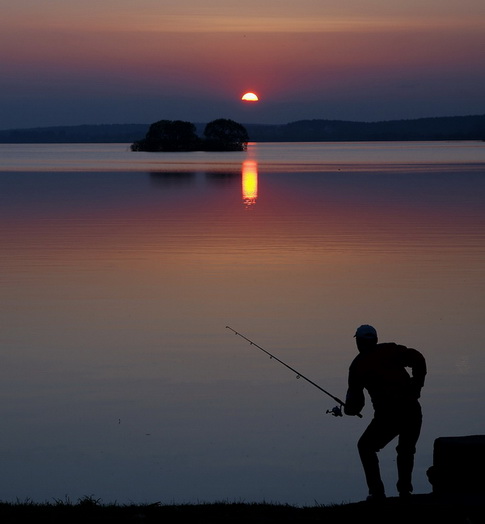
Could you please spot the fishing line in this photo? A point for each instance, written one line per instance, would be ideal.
(336, 411)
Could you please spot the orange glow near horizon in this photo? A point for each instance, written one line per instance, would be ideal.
(351, 62)
(250, 97)
(249, 182)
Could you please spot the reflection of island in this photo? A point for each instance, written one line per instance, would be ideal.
(249, 182)
(173, 178)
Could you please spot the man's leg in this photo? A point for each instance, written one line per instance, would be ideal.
(374, 438)
(406, 448)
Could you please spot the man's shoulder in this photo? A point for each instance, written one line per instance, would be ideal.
(360, 361)
(391, 346)
(377, 352)
(404, 354)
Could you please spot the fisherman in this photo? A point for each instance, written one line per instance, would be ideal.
(394, 393)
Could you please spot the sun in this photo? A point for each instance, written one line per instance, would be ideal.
(250, 97)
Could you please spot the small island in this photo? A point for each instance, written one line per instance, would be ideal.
(180, 136)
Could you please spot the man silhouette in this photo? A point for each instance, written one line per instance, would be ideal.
(380, 369)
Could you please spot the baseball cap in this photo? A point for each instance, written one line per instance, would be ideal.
(366, 331)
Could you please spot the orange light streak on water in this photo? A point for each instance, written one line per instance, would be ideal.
(249, 182)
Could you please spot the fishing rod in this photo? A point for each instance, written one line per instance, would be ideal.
(336, 411)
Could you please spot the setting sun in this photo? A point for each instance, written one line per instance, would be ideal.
(250, 97)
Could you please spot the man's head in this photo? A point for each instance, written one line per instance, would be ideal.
(365, 337)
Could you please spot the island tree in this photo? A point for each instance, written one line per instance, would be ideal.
(169, 135)
(225, 135)
(176, 135)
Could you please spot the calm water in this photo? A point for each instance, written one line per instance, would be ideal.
(120, 271)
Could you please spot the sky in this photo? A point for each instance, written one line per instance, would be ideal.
(72, 62)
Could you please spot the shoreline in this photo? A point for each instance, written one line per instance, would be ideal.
(424, 508)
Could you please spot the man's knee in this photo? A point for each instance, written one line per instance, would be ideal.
(404, 450)
(366, 445)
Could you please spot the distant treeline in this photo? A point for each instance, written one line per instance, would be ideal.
(318, 130)
(85, 134)
(439, 128)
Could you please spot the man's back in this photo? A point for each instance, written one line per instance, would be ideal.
(381, 371)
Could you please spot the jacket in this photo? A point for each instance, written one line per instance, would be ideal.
(381, 370)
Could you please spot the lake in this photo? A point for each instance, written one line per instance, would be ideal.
(120, 271)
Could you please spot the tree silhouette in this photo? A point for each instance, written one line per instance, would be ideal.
(225, 135)
(169, 135)
(176, 135)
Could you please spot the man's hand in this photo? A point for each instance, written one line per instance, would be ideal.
(336, 411)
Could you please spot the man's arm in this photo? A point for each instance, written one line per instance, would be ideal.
(416, 361)
(355, 398)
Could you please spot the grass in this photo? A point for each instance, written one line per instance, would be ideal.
(419, 509)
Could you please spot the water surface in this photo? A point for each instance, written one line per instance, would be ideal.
(120, 271)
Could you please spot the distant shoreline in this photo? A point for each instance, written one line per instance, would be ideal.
(316, 130)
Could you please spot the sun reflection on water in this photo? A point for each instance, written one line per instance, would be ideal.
(249, 183)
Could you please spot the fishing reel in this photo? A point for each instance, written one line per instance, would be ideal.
(336, 411)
